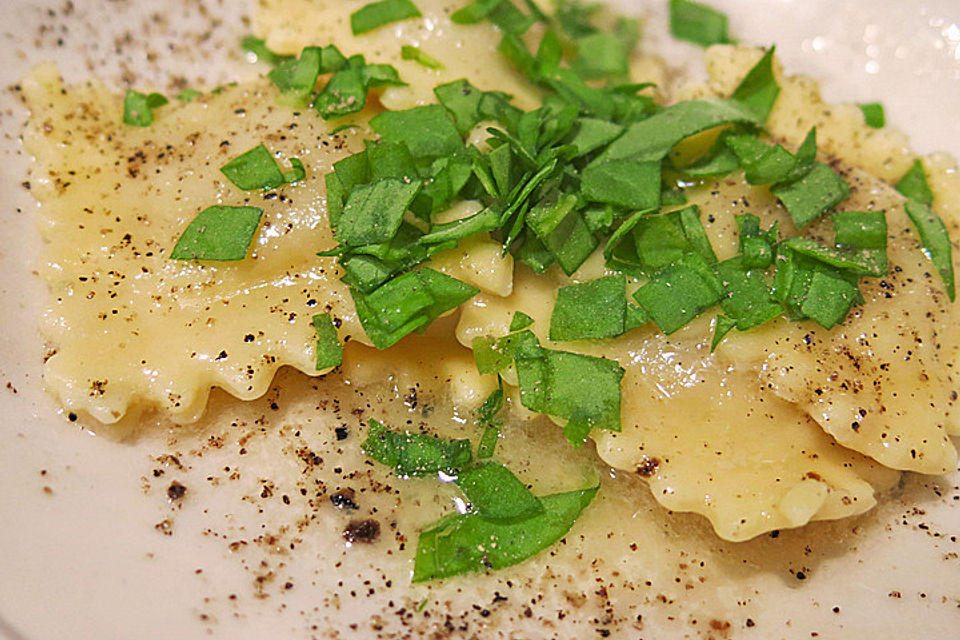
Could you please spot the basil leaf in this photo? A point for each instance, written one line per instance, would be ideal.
(747, 298)
(758, 90)
(698, 23)
(376, 14)
(138, 108)
(409, 52)
(723, 326)
(812, 195)
(254, 169)
(867, 262)
(593, 134)
(679, 293)
(593, 309)
(469, 542)
(554, 384)
(577, 430)
(486, 220)
(601, 54)
(329, 349)
(623, 182)
(415, 454)
(520, 321)
(828, 303)
(373, 212)
(873, 114)
(634, 318)
(219, 232)
(495, 493)
(427, 131)
(563, 232)
(936, 241)
(296, 79)
(913, 185)
(474, 12)
(407, 302)
(489, 356)
(654, 137)
(344, 93)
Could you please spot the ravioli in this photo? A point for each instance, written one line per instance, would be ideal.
(781, 425)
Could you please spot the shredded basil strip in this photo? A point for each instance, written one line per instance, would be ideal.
(377, 14)
(936, 241)
(409, 52)
(680, 292)
(466, 543)
(138, 108)
(408, 302)
(520, 321)
(698, 23)
(812, 195)
(329, 348)
(551, 382)
(219, 232)
(595, 309)
(415, 454)
(258, 169)
(494, 492)
(913, 185)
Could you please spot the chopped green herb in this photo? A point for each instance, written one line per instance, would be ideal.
(936, 241)
(593, 309)
(377, 14)
(296, 79)
(415, 454)
(474, 12)
(680, 292)
(373, 212)
(723, 326)
(747, 298)
(577, 429)
(698, 23)
(465, 543)
(138, 108)
(654, 137)
(485, 220)
(427, 131)
(408, 302)
(409, 52)
(601, 54)
(913, 185)
(258, 169)
(812, 195)
(219, 232)
(495, 493)
(561, 229)
(836, 291)
(873, 114)
(623, 182)
(488, 442)
(869, 262)
(554, 384)
(520, 321)
(187, 95)
(758, 91)
(329, 349)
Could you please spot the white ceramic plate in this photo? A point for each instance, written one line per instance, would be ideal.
(80, 556)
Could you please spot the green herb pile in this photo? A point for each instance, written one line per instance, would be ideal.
(589, 170)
